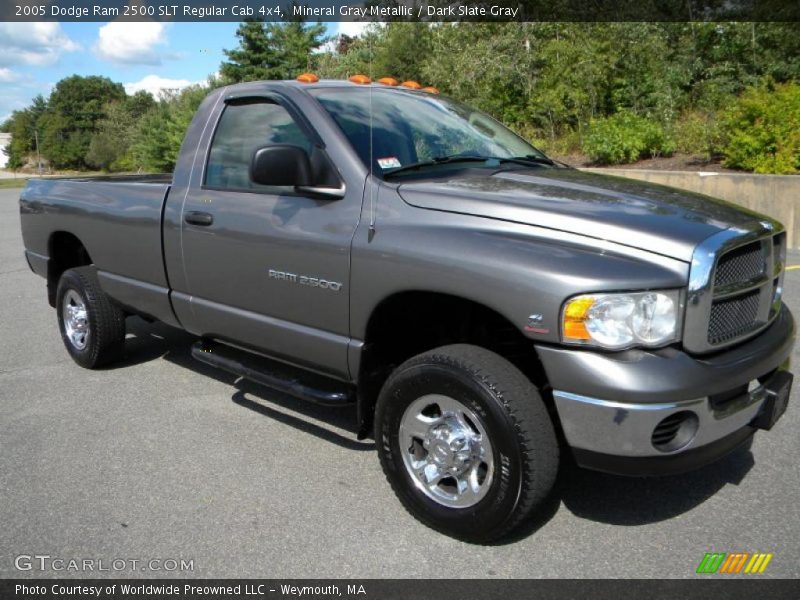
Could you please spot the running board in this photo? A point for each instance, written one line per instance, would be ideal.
(276, 375)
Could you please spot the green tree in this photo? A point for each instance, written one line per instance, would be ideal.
(110, 143)
(22, 126)
(352, 56)
(492, 82)
(139, 103)
(110, 147)
(159, 133)
(400, 50)
(271, 50)
(573, 66)
(73, 111)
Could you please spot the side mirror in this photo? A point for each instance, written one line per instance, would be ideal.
(281, 165)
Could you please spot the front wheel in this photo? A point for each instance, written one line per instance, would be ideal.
(466, 442)
(92, 326)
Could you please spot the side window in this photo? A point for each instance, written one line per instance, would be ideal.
(242, 128)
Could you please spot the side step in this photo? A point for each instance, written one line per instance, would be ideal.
(275, 375)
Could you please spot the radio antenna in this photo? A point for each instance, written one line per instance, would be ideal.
(373, 192)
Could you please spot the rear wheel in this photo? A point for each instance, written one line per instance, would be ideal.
(92, 326)
(466, 442)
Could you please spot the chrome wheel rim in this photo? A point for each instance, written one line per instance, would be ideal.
(446, 451)
(76, 319)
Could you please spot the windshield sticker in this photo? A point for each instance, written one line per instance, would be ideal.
(390, 162)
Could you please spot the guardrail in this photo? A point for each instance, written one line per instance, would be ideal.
(776, 196)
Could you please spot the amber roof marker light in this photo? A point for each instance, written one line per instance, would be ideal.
(388, 81)
(430, 89)
(307, 78)
(360, 79)
(412, 85)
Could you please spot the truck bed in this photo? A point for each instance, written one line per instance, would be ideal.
(117, 219)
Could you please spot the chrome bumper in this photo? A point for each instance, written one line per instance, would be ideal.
(624, 429)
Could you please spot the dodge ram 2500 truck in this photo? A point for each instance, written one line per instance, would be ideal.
(483, 305)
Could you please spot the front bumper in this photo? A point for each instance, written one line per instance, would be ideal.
(610, 404)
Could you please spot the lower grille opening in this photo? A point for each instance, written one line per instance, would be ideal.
(675, 431)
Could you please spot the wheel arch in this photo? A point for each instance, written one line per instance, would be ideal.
(410, 322)
(66, 251)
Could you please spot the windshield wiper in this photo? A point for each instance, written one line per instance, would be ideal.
(528, 159)
(439, 160)
(491, 161)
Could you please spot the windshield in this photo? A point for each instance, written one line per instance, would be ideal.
(411, 128)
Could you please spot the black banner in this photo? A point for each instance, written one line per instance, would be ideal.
(400, 10)
(394, 589)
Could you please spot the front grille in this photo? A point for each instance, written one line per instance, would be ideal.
(734, 286)
(733, 318)
(742, 264)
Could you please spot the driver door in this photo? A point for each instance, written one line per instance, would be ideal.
(267, 267)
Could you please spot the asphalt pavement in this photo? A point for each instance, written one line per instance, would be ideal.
(162, 458)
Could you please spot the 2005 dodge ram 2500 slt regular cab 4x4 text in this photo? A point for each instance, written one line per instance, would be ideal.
(482, 304)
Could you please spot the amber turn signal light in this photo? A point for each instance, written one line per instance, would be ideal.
(575, 316)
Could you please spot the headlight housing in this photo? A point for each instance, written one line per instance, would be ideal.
(623, 320)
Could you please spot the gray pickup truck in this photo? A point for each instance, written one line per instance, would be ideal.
(482, 305)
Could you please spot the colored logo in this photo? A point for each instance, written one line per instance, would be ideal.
(734, 563)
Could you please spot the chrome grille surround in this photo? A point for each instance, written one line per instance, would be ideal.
(730, 304)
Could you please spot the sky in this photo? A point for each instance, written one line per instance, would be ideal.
(150, 56)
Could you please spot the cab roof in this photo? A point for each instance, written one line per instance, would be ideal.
(322, 83)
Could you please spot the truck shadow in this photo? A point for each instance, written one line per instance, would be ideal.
(586, 494)
(620, 500)
(632, 501)
(149, 341)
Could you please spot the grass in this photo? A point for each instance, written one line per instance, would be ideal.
(22, 178)
(13, 183)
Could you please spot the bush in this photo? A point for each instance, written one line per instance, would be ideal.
(566, 144)
(625, 138)
(761, 130)
(698, 134)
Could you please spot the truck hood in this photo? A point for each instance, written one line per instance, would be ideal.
(642, 215)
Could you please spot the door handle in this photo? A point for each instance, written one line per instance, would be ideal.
(203, 219)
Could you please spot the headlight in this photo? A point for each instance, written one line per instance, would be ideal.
(617, 321)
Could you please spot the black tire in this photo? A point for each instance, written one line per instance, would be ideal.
(105, 341)
(523, 441)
